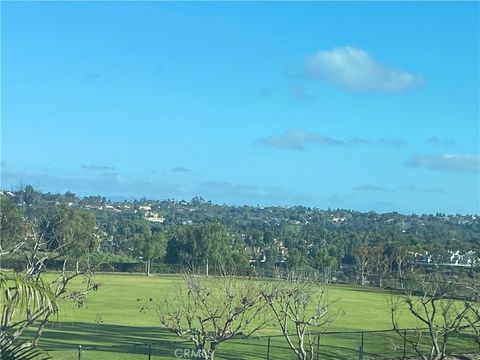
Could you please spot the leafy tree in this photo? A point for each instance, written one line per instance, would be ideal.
(130, 234)
(154, 248)
(197, 245)
(69, 232)
(29, 196)
(11, 226)
(321, 259)
(268, 237)
(296, 259)
(28, 299)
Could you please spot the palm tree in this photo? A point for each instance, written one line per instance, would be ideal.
(19, 350)
(24, 300)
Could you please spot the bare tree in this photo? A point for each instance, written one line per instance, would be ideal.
(300, 309)
(400, 257)
(380, 265)
(473, 317)
(362, 262)
(438, 315)
(210, 311)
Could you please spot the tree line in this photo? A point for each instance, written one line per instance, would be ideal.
(245, 239)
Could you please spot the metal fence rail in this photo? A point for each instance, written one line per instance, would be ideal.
(331, 346)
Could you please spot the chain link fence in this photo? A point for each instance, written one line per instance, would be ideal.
(332, 346)
(345, 276)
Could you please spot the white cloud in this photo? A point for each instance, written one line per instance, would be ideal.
(447, 162)
(354, 69)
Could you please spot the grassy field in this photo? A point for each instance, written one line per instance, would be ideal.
(111, 326)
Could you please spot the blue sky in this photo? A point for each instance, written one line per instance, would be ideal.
(368, 106)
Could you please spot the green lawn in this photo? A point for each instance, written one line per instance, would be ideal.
(111, 326)
(116, 303)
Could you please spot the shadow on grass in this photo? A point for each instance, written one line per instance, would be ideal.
(107, 341)
(110, 338)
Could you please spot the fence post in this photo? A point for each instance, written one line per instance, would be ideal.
(360, 350)
(318, 346)
(79, 352)
(404, 344)
(268, 349)
(149, 351)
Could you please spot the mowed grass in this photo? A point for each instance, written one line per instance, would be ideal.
(111, 326)
(120, 297)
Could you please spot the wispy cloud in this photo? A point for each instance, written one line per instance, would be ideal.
(224, 191)
(105, 183)
(95, 167)
(354, 69)
(180, 169)
(92, 76)
(358, 141)
(265, 92)
(300, 93)
(117, 185)
(296, 139)
(111, 175)
(416, 189)
(446, 162)
(438, 142)
(226, 187)
(392, 142)
(42, 181)
(374, 188)
(338, 198)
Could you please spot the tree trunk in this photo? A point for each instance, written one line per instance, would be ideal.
(398, 262)
(302, 354)
(444, 346)
(211, 352)
(363, 276)
(147, 267)
(435, 353)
